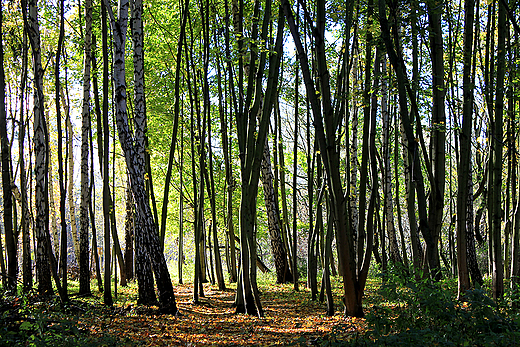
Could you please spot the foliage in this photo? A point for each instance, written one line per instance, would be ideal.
(28, 321)
(418, 312)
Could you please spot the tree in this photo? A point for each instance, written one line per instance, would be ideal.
(465, 143)
(10, 240)
(495, 161)
(326, 126)
(437, 138)
(84, 269)
(251, 142)
(61, 179)
(40, 138)
(150, 235)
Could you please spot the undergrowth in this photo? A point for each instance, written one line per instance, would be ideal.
(409, 311)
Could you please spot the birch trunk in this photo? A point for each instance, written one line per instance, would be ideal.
(387, 173)
(145, 219)
(143, 269)
(70, 188)
(40, 139)
(283, 274)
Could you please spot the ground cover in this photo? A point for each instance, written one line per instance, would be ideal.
(398, 313)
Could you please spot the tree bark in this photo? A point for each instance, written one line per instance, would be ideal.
(143, 268)
(465, 148)
(496, 146)
(27, 218)
(144, 213)
(107, 292)
(283, 274)
(84, 269)
(10, 239)
(438, 138)
(40, 138)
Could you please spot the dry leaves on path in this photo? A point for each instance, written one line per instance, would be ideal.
(290, 318)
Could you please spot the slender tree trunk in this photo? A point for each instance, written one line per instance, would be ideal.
(84, 269)
(226, 144)
(295, 177)
(438, 139)
(61, 176)
(107, 292)
(70, 192)
(464, 172)
(10, 239)
(143, 268)
(167, 179)
(52, 208)
(129, 237)
(180, 261)
(251, 142)
(283, 192)
(496, 145)
(326, 270)
(40, 138)
(27, 219)
(218, 261)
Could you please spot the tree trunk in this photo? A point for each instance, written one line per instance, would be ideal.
(464, 170)
(27, 219)
(387, 176)
(226, 144)
(251, 143)
(438, 139)
(143, 270)
(180, 260)
(40, 138)
(70, 192)
(167, 179)
(84, 269)
(145, 219)
(10, 239)
(283, 274)
(295, 176)
(107, 292)
(496, 146)
(61, 176)
(129, 237)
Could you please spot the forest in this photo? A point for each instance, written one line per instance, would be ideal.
(303, 172)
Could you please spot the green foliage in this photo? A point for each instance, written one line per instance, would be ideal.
(418, 312)
(26, 321)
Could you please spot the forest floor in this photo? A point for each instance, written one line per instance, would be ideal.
(290, 318)
(397, 314)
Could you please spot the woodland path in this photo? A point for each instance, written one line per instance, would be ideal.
(290, 319)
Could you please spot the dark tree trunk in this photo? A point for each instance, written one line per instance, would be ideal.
(84, 269)
(464, 203)
(103, 155)
(10, 239)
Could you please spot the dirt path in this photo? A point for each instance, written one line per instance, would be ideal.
(290, 318)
